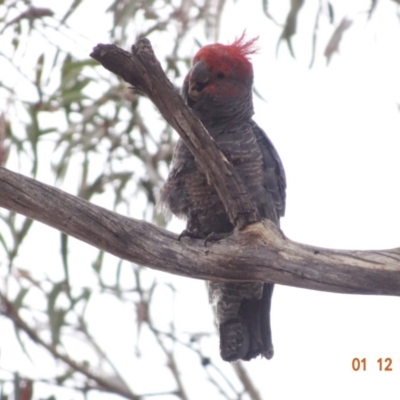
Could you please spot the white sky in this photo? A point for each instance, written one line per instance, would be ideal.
(337, 130)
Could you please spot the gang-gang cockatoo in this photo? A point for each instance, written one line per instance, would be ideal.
(218, 88)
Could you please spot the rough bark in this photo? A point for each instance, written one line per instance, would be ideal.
(258, 252)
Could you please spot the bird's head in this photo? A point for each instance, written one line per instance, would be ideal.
(221, 80)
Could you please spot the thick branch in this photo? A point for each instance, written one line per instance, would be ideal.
(257, 253)
(142, 70)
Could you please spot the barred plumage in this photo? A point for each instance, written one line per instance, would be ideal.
(219, 89)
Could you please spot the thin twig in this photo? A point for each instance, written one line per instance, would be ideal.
(7, 309)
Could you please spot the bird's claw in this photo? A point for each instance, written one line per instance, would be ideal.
(216, 237)
(196, 234)
(193, 234)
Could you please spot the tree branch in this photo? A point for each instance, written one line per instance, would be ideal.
(104, 384)
(257, 253)
(142, 70)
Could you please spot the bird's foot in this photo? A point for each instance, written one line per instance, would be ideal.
(216, 237)
(196, 234)
(193, 234)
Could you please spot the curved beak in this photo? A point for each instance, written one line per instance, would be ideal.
(199, 76)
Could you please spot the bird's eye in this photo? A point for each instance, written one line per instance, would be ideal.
(220, 75)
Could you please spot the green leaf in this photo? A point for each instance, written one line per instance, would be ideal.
(56, 315)
(21, 343)
(70, 10)
(39, 70)
(60, 379)
(98, 263)
(20, 298)
(71, 70)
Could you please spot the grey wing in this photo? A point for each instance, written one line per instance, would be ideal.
(274, 173)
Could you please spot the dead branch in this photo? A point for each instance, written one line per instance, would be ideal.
(259, 252)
